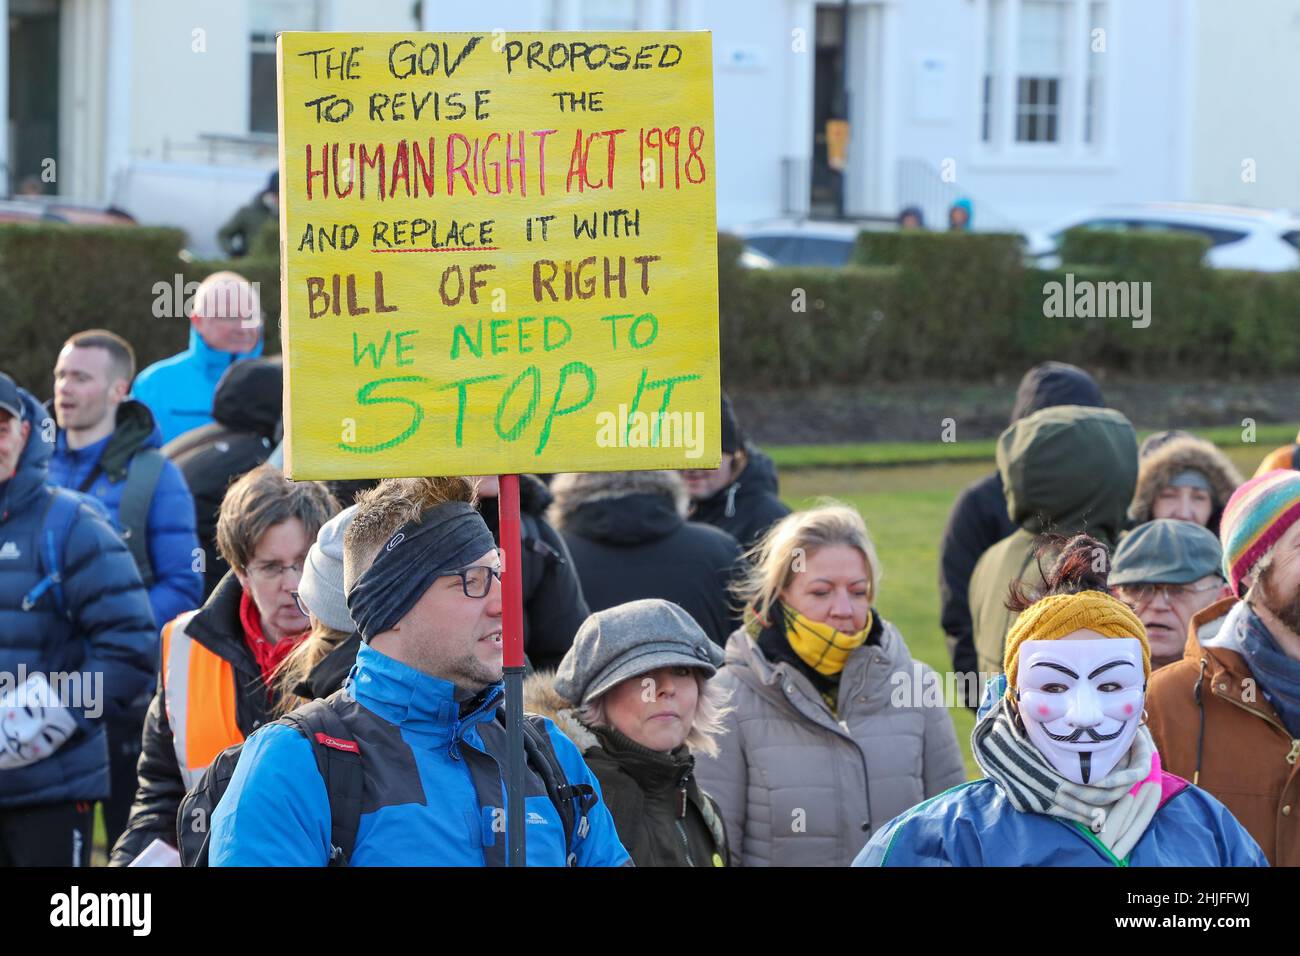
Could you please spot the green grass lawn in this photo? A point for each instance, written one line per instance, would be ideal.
(1267, 437)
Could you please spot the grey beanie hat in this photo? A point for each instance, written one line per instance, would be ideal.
(631, 639)
(321, 587)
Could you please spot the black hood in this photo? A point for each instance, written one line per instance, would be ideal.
(1054, 383)
(534, 499)
(634, 519)
(620, 507)
(249, 395)
(760, 472)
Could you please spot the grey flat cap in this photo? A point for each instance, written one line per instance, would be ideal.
(631, 639)
(1166, 551)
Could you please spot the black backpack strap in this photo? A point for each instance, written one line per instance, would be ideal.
(133, 511)
(338, 757)
(573, 801)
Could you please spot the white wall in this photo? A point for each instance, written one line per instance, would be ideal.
(1247, 90)
(763, 94)
(758, 104)
(1144, 157)
(179, 93)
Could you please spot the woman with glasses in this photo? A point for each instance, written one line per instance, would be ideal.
(218, 663)
(319, 664)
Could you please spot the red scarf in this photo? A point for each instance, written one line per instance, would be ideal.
(268, 656)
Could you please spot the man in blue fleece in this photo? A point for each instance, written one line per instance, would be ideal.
(422, 576)
(108, 446)
(225, 326)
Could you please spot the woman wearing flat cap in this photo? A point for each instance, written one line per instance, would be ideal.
(1072, 775)
(633, 694)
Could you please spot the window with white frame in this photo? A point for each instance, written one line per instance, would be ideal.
(992, 57)
(266, 18)
(1095, 52)
(1042, 83)
(1040, 71)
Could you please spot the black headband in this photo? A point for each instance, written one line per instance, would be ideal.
(446, 538)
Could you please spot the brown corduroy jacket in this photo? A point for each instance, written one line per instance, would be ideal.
(1213, 726)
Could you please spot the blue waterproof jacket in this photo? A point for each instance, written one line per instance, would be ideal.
(974, 824)
(172, 539)
(179, 390)
(434, 791)
(106, 637)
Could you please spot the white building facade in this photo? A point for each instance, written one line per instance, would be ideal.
(1030, 108)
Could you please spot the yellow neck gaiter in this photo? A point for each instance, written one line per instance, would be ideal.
(819, 645)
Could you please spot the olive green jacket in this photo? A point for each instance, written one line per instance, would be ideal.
(1066, 470)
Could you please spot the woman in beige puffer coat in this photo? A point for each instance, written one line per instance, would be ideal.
(829, 736)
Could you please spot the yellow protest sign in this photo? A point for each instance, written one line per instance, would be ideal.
(499, 253)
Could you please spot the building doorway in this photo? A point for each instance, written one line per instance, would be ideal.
(33, 97)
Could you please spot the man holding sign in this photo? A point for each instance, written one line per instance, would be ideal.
(421, 709)
(500, 254)
(499, 257)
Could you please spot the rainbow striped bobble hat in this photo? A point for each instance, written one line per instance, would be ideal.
(1257, 514)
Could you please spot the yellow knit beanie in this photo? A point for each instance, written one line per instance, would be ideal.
(1053, 617)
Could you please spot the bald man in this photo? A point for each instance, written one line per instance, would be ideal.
(225, 326)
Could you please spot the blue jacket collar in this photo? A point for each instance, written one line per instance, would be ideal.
(79, 456)
(413, 699)
(215, 361)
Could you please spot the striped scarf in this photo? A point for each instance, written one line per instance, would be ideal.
(1116, 809)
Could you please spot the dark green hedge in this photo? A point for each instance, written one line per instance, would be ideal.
(962, 306)
(945, 306)
(58, 279)
(1155, 251)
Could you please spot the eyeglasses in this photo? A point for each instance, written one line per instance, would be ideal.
(476, 580)
(1139, 595)
(274, 570)
(297, 599)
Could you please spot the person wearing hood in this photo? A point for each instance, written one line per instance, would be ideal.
(961, 216)
(72, 606)
(1183, 477)
(225, 326)
(629, 538)
(246, 413)
(554, 605)
(739, 496)
(107, 446)
(911, 218)
(1228, 714)
(1065, 470)
(830, 732)
(979, 517)
(633, 694)
(1072, 775)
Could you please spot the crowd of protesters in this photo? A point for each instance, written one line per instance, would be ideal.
(286, 672)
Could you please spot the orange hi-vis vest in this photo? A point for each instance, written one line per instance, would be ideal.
(199, 697)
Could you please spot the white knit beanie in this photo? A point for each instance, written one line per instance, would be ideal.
(321, 588)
